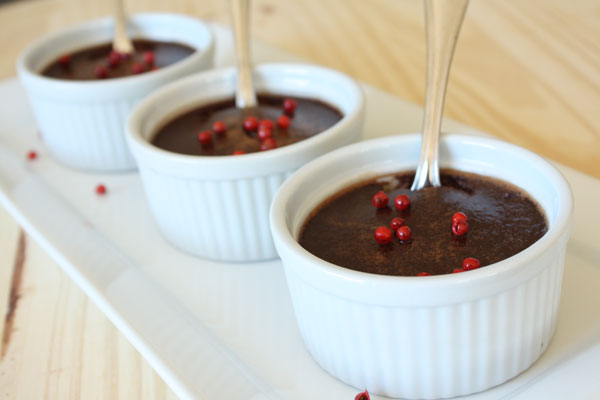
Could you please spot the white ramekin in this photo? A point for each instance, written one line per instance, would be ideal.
(217, 207)
(425, 337)
(82, 122)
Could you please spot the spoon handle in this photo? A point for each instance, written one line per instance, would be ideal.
(240, 13)
(443, 19)
(121, 42)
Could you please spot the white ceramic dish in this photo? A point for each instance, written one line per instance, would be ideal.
(82, 121)
(227, 331)
(425, 337)
(217, 207)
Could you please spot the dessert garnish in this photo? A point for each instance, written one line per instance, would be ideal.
(470, 263)
(114, 58)
(64, 60)
(341, 229)
(404, 234)
(289, 105)
(104, 62)
(264, 132)
(459, 216)
(396, 223)
(101, 72)
(250, 130)
(460, 224)
(148, 58)
(268, 144)
(380, 199)
(251, 124)
(267, 123)
(283, 122)
(402, 202)
(383, 235)
(423, 274)
(100, 189)
(219, 127)
(137, 68)
(363, 396)
(205, 138)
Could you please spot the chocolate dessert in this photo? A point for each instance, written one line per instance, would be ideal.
(382, 227)
(101, 62)
(223, 129)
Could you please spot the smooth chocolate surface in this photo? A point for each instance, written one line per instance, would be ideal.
(180, 134)
(503, 220)
(83, 63)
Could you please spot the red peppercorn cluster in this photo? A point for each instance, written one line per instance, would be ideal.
(380, 200)
(396, 223)
(206, 137)
(289, 106)
(114, 58)
(460, 224)
(32, 155)
(384, 235)
(264, 129)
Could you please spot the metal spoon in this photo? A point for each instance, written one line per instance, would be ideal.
(121, 42)
(245, 97)
(443, 19)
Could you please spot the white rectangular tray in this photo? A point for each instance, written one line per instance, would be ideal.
(227, 331)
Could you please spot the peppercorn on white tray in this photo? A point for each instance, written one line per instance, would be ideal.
(227, 331)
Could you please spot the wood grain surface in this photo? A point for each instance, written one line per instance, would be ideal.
(525, 71)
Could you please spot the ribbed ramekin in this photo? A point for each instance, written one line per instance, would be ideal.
(82, 122)
(217, 207)
(425, 337)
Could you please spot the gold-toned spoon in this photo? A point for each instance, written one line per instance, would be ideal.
(443, 19)
(245, 97)
(121, 42)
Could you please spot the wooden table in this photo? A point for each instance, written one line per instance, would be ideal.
(525, 71)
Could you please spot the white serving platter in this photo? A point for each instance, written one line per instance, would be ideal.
(227, 331)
